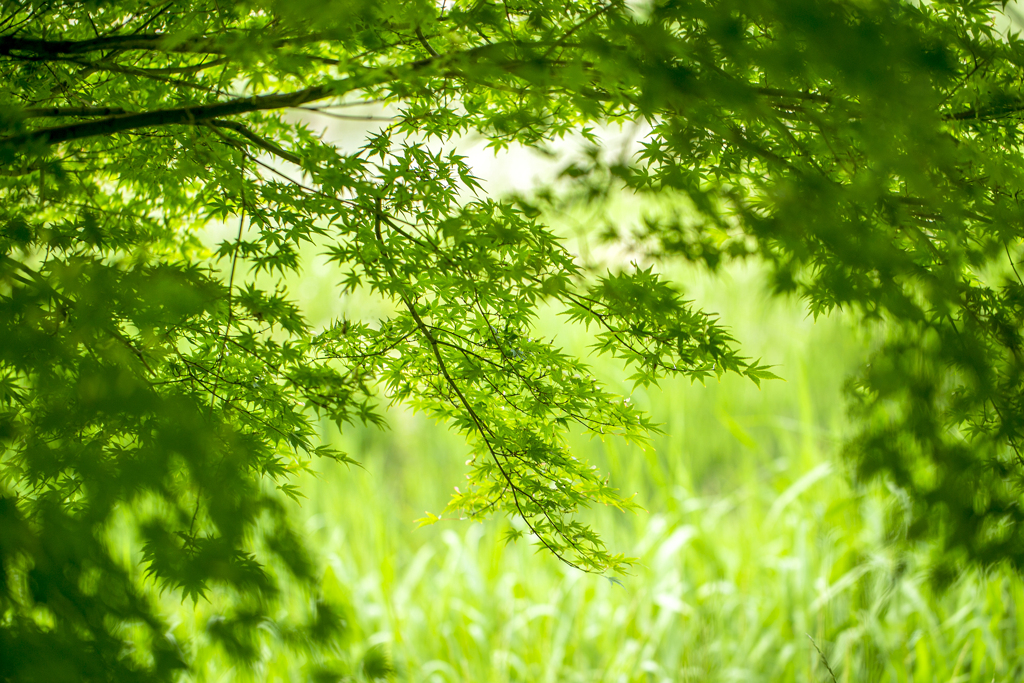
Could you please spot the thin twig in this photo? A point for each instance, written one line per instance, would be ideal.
(231, 308)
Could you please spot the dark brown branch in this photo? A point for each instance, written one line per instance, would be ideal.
(987, 112)
(60, 112)
(28, 48)
(180, 115)
(54, 48)
(262, 143)
(191, 69)
(195, 114)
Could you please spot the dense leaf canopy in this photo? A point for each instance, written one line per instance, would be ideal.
(869, 151)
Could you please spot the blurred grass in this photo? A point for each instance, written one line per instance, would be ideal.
(758, 561)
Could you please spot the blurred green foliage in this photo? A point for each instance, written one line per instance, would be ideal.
(159, 395)
(751, 539)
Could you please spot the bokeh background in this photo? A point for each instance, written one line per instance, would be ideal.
(759, 557)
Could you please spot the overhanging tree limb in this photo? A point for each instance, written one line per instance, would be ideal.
(194, 114)
(165, 43)
(70, 112)
(178, 115)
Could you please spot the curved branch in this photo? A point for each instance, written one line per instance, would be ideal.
(200, 113)
(61, 112)
(179, 115)
(262, 143)
(155, 41)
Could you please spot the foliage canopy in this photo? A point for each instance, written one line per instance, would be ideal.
(868, 151)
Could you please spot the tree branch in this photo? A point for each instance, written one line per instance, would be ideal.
(262, 143)
(793, 94)
(165, 43)
(987, 112)
(60, 112)
(194, 114)
(423, 41)
(163, 117)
